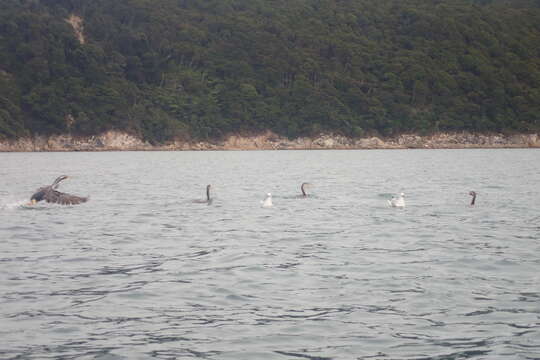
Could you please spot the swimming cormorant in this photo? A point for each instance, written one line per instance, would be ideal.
(208, 199)
(473, 194)
(304, 194)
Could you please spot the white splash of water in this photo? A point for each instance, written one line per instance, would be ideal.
(12, 205)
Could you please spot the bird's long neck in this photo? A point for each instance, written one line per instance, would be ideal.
(473, 199)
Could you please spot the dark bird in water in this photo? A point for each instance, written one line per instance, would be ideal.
(208, 198)
(303, 188)
(473, 194)
(50, 195)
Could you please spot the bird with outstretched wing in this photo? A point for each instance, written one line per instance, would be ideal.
(51, 195)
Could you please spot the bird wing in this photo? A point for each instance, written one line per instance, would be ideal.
(58, 197)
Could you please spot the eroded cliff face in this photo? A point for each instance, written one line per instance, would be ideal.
(120, 141)
(77, 23)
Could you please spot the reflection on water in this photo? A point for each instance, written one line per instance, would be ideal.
(142, 271)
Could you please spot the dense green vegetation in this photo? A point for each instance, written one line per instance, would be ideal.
(205, 68)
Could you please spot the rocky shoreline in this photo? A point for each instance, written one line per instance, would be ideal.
(120, 141)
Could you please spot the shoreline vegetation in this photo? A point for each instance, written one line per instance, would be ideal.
(122, 141)
(187, 69)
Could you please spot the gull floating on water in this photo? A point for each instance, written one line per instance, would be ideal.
(267, 201)
(397, 201)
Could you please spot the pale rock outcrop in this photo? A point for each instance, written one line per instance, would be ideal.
(370, 143)
(76, 23)
(117, 140)
(110, 140)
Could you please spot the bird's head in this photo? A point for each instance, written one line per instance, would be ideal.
(36, 197)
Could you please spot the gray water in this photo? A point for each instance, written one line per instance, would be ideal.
(140, 271)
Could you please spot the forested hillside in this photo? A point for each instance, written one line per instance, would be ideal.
(207, 68)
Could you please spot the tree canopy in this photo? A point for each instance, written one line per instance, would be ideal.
(203, 69)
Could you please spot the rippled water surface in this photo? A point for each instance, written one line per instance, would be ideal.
(140, 271)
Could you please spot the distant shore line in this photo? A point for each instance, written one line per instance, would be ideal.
(121, 141)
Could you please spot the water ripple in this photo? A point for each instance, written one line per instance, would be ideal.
(338, 275)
